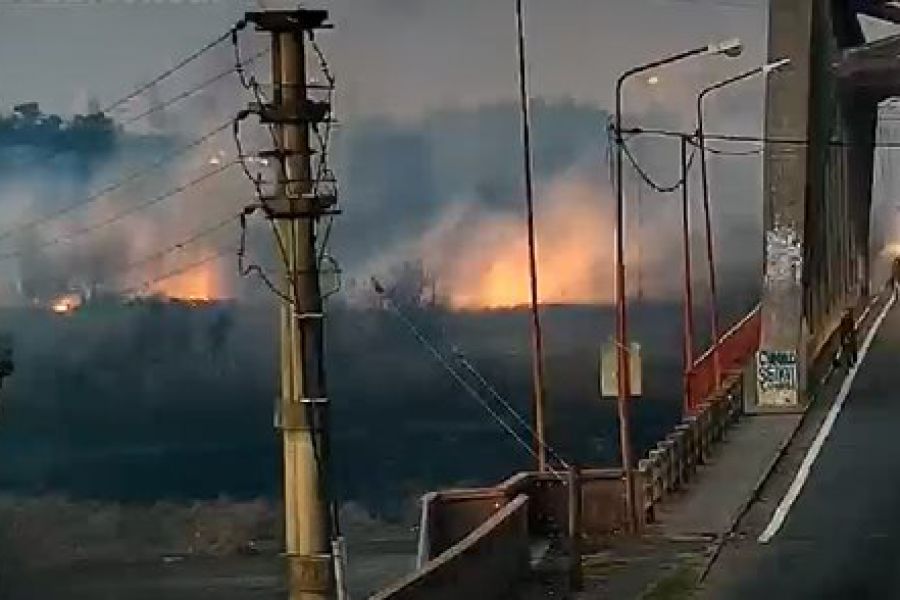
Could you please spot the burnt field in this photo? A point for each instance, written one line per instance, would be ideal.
(146, 430)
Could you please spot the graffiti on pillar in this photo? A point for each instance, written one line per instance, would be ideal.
(784, 256)
(776, 370)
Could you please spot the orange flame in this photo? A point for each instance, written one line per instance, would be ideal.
(483, 263)
(201, 284)
(67, 304)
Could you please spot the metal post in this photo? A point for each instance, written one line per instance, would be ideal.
(688, 279)
(576, 582)
(710, 255)
(537, 351)
(623, 378)
(710, 252)
(623, 370)
(303, 411)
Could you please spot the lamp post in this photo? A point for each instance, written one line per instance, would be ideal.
(688, 307)
(701, 141)
(729, 48)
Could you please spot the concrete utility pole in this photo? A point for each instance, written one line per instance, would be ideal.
(295, 209)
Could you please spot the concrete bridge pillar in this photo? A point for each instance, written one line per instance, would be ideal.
(781, 361)
(821, 117)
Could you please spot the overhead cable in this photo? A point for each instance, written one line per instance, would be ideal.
(114, 186)
(194, 90)
(168, 72)
(68, 238)
(442, 360)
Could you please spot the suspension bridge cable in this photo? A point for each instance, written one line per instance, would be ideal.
(68, 238)
(442, 360)
(116, 185)
(168, 72)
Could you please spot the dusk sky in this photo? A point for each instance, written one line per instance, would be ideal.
(59, 54)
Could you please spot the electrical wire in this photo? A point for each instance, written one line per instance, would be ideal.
(662, 189)
(194, 90)
(168, 72)
(461, 358)
(68, 238)
(196, 236)
(116, 185)
(752, 139)
(442, 360)
(162, 253)
(245, 270)
(174, 273)
(720, 151)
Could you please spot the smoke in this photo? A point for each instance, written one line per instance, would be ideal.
(479, 256)
(102, 245)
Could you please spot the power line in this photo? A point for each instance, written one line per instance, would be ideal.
(114, 186)
(168, 72)
(197, 88)
(442, 360)
(205, 232)
(180, 245)
(751, 139)
(458, 353)
(642, 173)
(120, 215)
(174, 272)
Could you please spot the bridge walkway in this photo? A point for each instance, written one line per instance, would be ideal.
(840, 537)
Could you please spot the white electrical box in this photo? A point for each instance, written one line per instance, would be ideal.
(609, 370)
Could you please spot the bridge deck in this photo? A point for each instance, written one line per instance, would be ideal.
(841, 536)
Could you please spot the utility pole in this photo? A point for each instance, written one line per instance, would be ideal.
(295, 209)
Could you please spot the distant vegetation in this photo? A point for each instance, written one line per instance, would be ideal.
(87, 135)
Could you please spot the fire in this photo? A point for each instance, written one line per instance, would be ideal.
(199, 285)
(482, 262)
(67, 304)
(491, 270)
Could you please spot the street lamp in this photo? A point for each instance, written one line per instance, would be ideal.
(730, 48)
(701, 141)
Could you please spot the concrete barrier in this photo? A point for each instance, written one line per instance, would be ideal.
(671, 466)
(484, 564)
(449, 516)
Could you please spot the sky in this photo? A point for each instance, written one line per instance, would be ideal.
(403, 61)
(400, 58)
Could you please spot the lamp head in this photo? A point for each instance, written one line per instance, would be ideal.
(731, 48)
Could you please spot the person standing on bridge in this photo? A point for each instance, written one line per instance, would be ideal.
(895, 272)
(848, 339)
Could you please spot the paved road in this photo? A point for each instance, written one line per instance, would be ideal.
(841, 539)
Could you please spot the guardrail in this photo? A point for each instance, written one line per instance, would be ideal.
(735, 349)
(672, 464)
